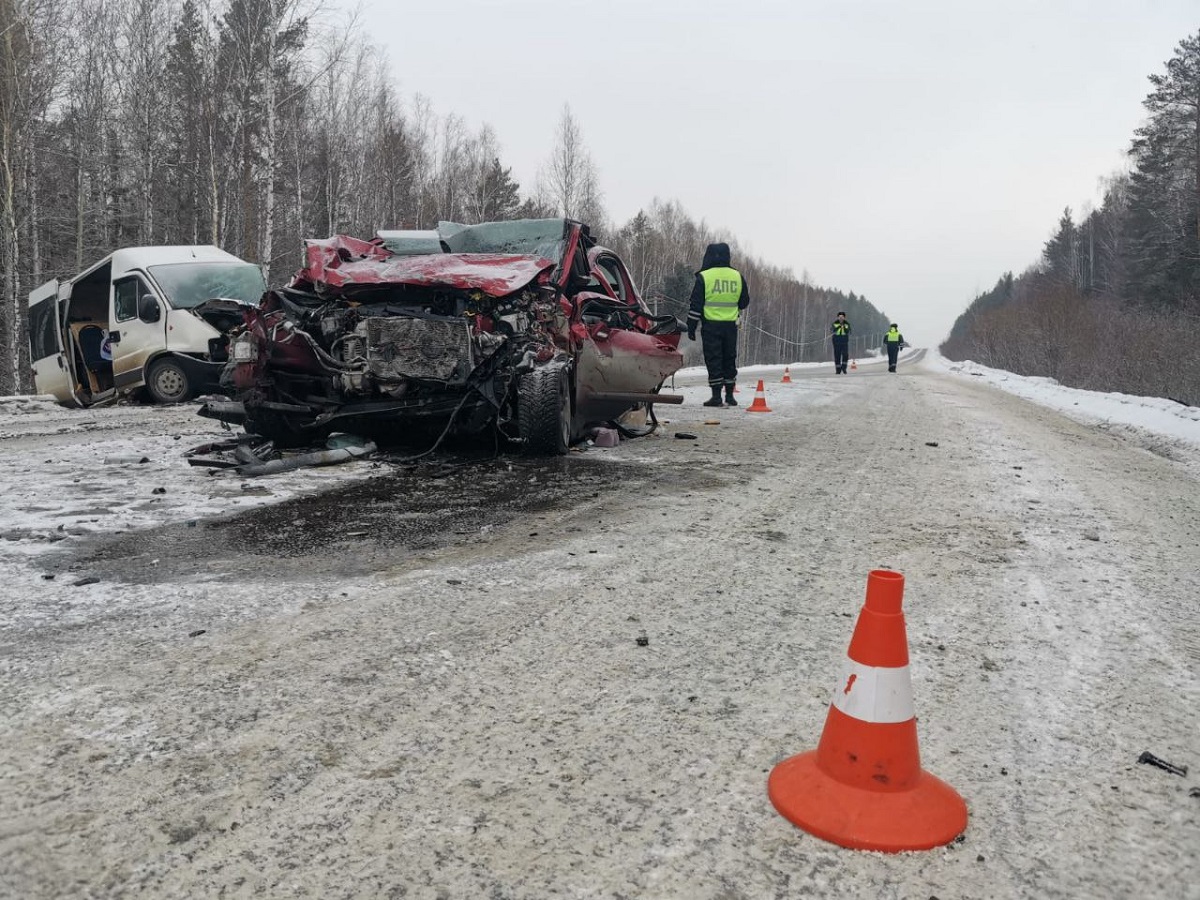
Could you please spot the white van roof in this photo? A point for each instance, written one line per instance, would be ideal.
(130, 258)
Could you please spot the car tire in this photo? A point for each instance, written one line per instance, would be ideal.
(167, 382)
(544, 411)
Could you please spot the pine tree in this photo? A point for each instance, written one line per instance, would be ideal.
(1061, 253)
(1164, 196)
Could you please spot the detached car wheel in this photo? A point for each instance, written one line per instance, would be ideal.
(167, 382)
(544, 411)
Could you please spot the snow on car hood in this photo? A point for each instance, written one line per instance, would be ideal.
(340, 262)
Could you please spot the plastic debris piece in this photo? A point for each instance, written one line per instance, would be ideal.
(343, 441)
(607, 437)
(685, 436)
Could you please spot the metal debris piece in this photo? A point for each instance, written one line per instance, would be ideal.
(90, 579)
(931, 443)
(212, 463)
(1151, 760)
(685, 436)
(320, 458)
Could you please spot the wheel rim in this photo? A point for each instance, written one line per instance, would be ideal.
(169, 382)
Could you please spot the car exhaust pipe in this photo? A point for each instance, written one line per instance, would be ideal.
(630, 397)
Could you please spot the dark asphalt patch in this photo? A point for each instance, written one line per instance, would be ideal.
(372, 525)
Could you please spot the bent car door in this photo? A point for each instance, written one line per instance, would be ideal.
(140, 333)
(52, 372)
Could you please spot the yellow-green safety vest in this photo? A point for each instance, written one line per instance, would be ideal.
(840, 328)
(722, 291)
(893, 336)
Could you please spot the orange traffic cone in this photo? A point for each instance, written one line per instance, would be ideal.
(787, 376)
(760, 400)
(853, 366)
(863, 787)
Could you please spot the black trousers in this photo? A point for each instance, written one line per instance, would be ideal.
(893, 349)
(720, 352)
(841, 352)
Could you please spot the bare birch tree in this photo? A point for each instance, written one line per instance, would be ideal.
(568, 180)
(31, 38)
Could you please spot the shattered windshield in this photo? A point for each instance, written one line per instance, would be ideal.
(533, 237)
(187, 285)
(411, 243)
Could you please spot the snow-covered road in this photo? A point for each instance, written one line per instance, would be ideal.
(585, 700)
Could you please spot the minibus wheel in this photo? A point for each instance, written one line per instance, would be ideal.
(167, 382)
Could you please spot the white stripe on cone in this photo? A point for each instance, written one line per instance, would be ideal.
(875, 693)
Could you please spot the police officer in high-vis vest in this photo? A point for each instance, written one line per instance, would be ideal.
(719, 295)
(840, 334)
(893, 343)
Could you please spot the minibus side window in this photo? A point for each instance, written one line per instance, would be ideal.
(125, 294)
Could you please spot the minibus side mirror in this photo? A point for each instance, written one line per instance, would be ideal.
(148, 308)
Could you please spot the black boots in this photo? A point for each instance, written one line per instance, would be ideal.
(729, 398)
(716, 397)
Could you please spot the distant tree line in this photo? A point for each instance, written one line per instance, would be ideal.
(789, 317)
(253, 124)
(1114, 302)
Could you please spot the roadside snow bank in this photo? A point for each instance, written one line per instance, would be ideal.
(1152, 415)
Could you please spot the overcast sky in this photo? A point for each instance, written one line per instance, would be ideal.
(911, 151)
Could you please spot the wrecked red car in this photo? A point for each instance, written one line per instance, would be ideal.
(524, 327)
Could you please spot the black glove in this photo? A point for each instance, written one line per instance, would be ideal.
(692, 333)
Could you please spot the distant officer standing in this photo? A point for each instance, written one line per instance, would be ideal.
(840, 333)
(718, 297)
(892, 342)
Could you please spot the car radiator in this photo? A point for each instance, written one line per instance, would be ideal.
(435, 349)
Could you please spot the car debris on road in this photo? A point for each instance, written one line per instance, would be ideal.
(250, 456)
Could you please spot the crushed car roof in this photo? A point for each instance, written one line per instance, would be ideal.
(341, 261)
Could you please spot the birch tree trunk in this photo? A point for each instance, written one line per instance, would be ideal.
(269, 150)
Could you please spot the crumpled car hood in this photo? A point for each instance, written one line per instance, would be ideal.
(340, 262)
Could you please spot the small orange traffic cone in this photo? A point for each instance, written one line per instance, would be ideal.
(760, 400)
(853, 366)
(787, 375)
(863, 787)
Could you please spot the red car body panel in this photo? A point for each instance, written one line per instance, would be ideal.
(341, 261)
